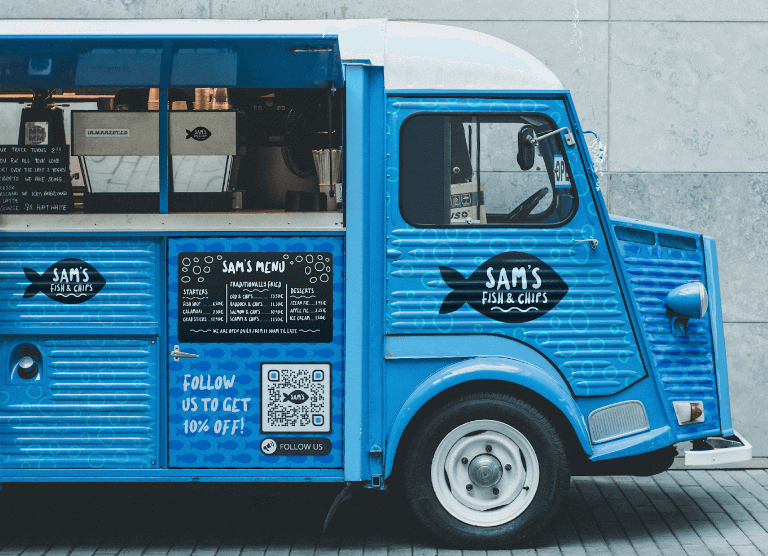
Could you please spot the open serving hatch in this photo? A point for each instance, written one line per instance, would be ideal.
(174, 123)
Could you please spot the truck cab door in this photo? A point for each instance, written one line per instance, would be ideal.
(487, 238)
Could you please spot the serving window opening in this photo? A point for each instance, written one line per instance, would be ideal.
(229, 149)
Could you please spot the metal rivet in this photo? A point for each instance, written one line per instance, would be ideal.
(469, 487)
(495, 491)
(508, 467)
(488, 448)
(465, 461)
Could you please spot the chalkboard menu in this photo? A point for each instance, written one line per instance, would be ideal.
(35, 179)
(255, 297)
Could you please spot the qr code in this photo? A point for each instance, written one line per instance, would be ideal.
(296, 397)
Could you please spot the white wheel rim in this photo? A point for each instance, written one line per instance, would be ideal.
(482, 506)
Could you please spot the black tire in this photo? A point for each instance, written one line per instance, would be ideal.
(529, 511)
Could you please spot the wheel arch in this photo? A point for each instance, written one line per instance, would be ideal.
(498, 374)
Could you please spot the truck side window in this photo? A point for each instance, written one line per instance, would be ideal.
(463, 170)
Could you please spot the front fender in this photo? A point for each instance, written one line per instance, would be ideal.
(504, 369)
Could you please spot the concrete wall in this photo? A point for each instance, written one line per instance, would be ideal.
(677, 90)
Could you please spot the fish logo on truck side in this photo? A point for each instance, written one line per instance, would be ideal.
(512, 287)
(69, 281)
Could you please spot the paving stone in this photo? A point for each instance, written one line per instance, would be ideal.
(34, 551)
(759, 475)
(723, 478)
(695, 550)
(737, 512)
(747, 551)
(682, 478)
(566, 533)
(182, 551)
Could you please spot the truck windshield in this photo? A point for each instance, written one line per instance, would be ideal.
(465, 170)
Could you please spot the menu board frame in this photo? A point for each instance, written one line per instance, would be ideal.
(247, 297)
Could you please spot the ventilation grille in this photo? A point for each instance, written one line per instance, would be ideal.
(617, 420)
(684, 365)
(95, 406)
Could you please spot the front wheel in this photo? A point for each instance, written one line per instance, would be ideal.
(485, 470)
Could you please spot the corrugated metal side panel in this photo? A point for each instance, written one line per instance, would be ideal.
(95, 406)
(684, 365)
(587, 335)
(127, 299)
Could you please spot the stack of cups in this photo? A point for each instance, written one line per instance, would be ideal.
(203, 99)
(154, 99)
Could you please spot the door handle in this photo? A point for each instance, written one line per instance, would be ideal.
(176, 354)
(593, 243)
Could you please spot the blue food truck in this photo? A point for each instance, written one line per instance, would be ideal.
(364, 252)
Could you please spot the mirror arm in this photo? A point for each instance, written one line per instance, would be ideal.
(568, 137)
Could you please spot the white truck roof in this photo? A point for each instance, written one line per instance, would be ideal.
(414, 55)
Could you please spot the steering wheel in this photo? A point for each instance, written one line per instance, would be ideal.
(521, 211)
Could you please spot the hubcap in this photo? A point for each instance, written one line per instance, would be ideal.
(485, 470)
(485, 473)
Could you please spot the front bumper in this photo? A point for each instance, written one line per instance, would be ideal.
(719, 451)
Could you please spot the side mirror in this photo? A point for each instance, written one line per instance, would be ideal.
(525, 149)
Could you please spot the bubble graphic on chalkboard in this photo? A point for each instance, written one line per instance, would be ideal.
(185, 279)
(319, 266)
(185, 269)
(201, 279)
(209, 259)
(219, 257)
(310, 258)
(308, 270)
(196, 260)
(313, 280)
(185, 261)
(285, 256)
(299, 258)
(207, 269)
(323, 278)
(197, 269)
(327, 268)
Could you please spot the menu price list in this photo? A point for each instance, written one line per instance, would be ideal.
(35, 179)
(255, 297)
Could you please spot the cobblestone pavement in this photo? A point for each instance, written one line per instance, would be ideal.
(678, 512)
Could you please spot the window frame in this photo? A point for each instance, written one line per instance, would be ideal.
(502, 225)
